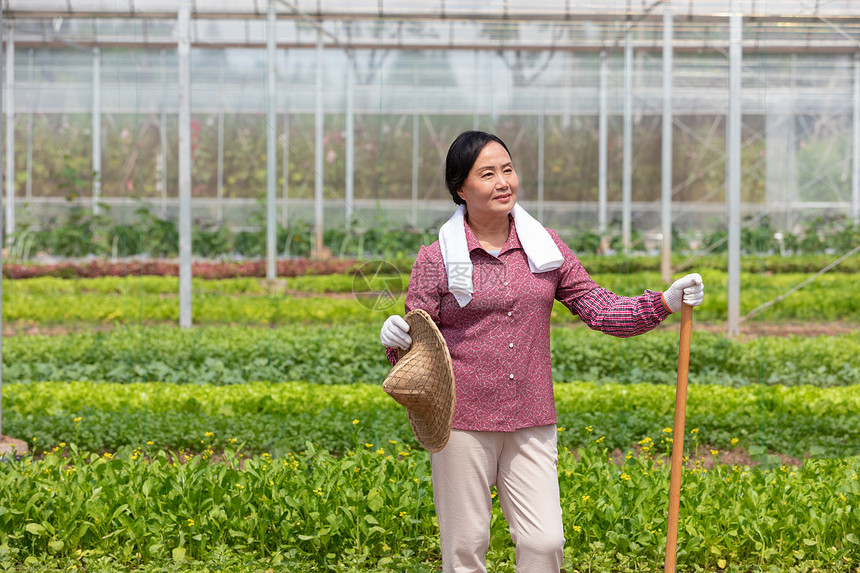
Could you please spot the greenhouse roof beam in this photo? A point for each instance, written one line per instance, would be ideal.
(514, 10)
(680, 47)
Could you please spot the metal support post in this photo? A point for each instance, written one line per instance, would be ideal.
(855, 156)
(31, 75)
(10, 133)
(219, 208)
(350, 142)
(603, 145)
(733, 172)
(318, 149)
(184, 56)
(627, 183)
(162, 129)
(271, 149)
(97, 129)
(540, 174)
(285, 189)
(666, 186)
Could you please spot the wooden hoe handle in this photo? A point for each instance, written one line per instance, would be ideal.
(678, 437)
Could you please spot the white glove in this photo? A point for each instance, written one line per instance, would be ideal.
(394, 332)
(688, 289)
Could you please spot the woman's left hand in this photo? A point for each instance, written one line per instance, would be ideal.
(688, 289)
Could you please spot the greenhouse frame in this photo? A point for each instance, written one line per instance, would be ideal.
(657, 117)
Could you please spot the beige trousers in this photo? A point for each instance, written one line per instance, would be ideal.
(523, 467)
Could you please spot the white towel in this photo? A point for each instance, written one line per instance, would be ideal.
(541, 250)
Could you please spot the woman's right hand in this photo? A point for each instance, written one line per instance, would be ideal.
(394, 333)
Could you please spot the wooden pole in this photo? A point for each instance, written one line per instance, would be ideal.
(678, 437)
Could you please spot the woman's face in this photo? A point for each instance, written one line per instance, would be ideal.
(490, 189)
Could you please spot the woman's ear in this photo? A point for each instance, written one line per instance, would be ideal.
(460, 193)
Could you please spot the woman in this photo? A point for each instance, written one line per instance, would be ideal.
(489, 284)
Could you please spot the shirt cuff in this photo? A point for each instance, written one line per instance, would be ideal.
(391, 354)
(666, 306)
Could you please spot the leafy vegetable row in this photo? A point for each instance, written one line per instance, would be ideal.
(349, 354)
(373, 506)
(303, 300)
(798, 421)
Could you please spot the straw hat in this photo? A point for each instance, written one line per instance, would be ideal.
(423, 382)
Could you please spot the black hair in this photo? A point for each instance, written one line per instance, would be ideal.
(462, 156)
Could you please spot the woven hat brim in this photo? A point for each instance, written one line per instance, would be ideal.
(423, 382)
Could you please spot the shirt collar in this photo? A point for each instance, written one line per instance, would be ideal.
(513, 241)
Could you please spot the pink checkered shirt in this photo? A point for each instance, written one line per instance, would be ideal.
(499, 342)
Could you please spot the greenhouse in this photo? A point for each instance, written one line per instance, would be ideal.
(210, 208)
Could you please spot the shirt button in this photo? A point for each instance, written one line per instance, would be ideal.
(512, 376)
(510, 313)
(505, 283)
(511, 345)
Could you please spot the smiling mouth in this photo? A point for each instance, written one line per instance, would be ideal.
(503, 197)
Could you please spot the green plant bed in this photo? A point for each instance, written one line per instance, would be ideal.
(372, 507)
(329, 299)
(349, 354)
(282, 417)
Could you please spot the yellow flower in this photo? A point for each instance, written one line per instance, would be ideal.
(368, 445)
(694, 431)
(600, 439)
(589, 429)
(355, 422)
(577, 529)
(209, 435)
(78, 419)
(585, 498)
(625, 477)
(380, 451)
(735, 441)
(190, 522)
(149, 443)
(715, 452)
(667, 430)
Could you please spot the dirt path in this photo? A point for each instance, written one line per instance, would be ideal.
(753, 330)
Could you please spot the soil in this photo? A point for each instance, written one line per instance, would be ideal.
(9, 444)
(755, 330)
